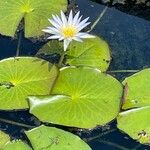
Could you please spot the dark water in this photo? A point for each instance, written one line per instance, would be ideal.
(128, 37)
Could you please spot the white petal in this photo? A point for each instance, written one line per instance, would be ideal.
(54, 23)
(75, 19)
(58, 19)
(54, 37)
(84, 35)
(66, 44)
(63, 17)
(77, 39)
(82, 22)
(78, 21)
(53, 29)
(70, 19)
(83, 26)
(49, 31)
(61, 38)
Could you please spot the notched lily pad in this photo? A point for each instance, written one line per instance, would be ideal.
(137, 90)
(34, 12)
(24, 76)
(136, 123)
(93, 52)
(81, 97)
(50, 138)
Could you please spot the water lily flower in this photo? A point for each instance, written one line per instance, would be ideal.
(68, 29)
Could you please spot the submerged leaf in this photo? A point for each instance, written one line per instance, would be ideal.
(52, 47)
(24, 76)
(34, 12)
(81, 97)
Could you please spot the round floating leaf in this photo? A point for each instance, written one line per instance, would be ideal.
(23, 76)
(16, 145)
(137, 90)
(4, 138)
(82, 97)
(34, 12)
(50, 138)
(136, 123)
(91, 52)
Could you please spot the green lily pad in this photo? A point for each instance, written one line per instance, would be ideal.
(24, 76)
(92, 52)
(16, 145)
(137, 93)
(136, 123)
(52, 47)
(34, 12)
(81, 97)
(50, 138)
(4, 138)
(6, 144)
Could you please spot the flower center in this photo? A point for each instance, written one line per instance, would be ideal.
(69, 31)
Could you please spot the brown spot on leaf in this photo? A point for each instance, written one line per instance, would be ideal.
(126, 88)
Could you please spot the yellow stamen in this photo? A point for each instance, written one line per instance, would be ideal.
(69, 31)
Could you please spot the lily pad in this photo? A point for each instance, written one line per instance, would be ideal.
(92, 52)
(81, 97)
(52, 47)
(4, 138)
(34, 12)
(50, 138)
(136, 123)
(24, 76)
(137, 93)
(16, 145)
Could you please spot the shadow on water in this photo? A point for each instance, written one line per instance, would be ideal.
(128, 37)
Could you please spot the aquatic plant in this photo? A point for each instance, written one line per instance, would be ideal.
(68, 29)
(33, 15)
(75, 92)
